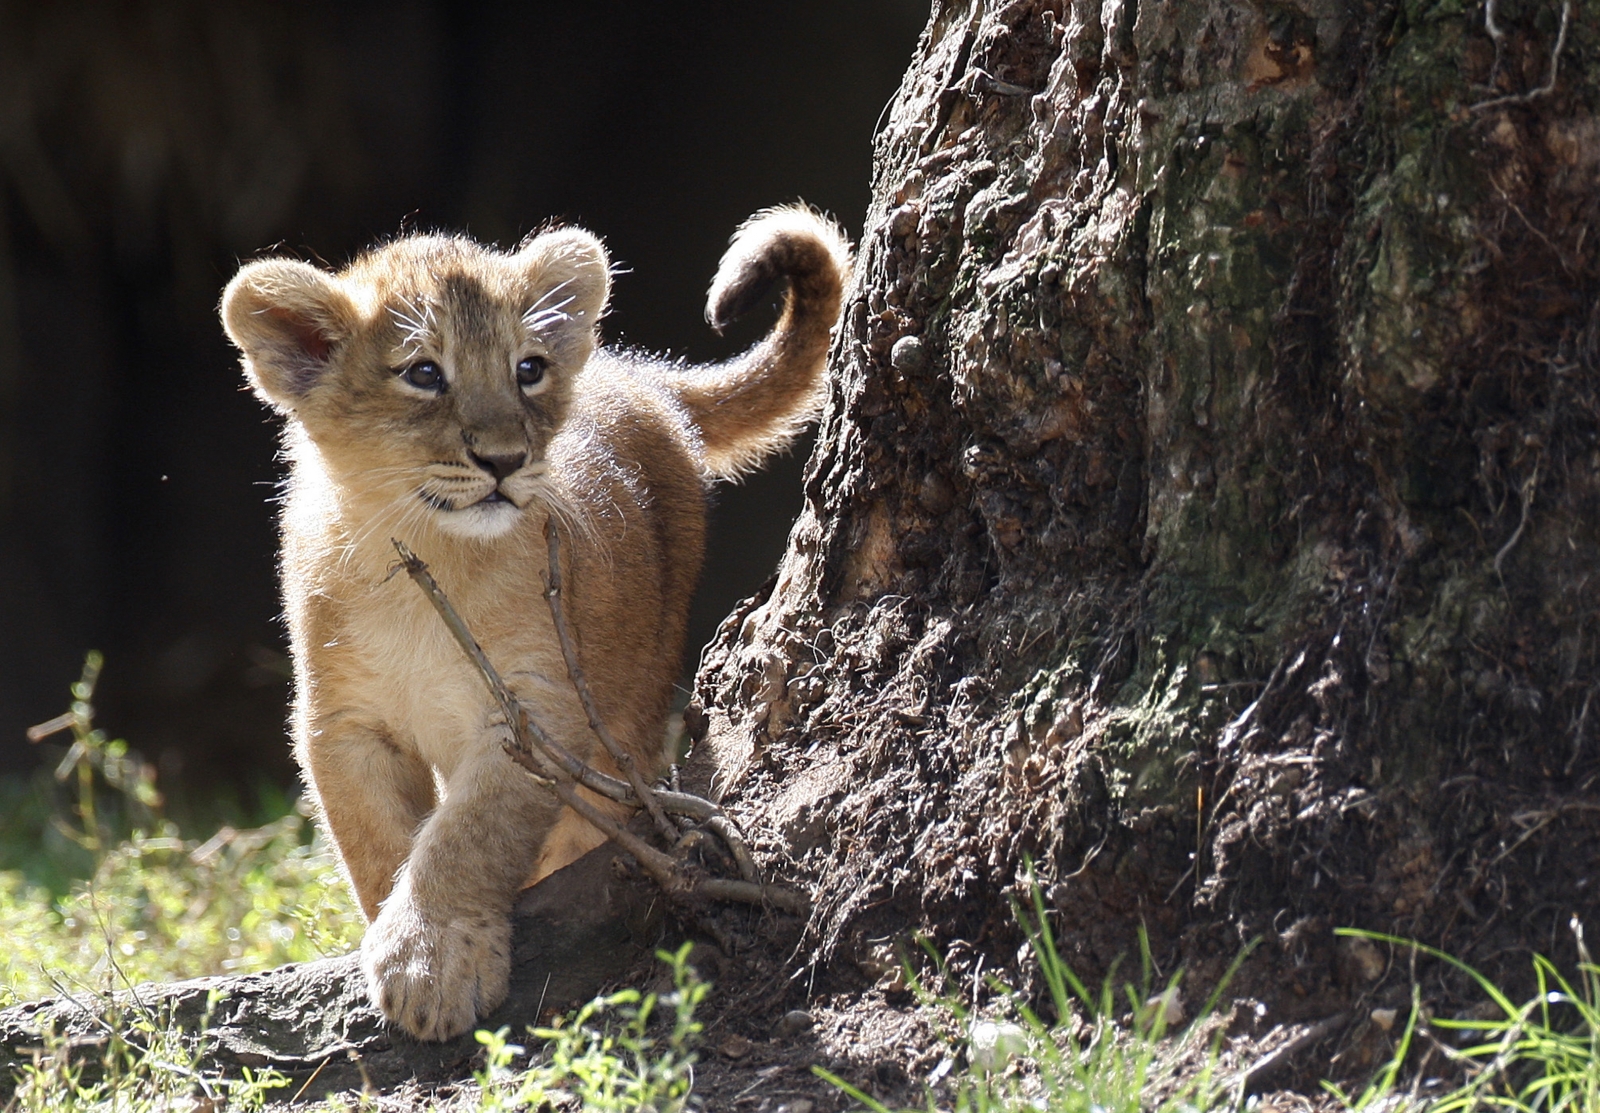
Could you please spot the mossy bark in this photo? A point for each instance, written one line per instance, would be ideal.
(1205, 505)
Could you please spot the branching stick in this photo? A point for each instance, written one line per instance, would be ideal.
(520, 724)
(553, 766)
(715, 819)
(569, 653)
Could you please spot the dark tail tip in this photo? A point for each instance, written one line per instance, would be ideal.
(747, 289)
(790, 242)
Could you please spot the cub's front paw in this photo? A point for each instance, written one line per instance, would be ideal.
(435, 976)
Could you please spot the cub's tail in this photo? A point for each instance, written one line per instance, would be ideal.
(754, 404)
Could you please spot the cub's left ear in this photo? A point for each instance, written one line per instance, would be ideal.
(287, 318)
(569, 280)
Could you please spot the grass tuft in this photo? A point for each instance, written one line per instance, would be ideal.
(160, 907)
(1084, 1058)
(152, 904)
(619, 1054)
(143, 1063)
(1542, 1056)
(117, 895)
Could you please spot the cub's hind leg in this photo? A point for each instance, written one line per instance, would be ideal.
(373, 796)
(438, 956)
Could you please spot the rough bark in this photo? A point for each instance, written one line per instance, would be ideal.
(1205, 505)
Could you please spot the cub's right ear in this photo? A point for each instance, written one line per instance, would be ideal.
(286, 317)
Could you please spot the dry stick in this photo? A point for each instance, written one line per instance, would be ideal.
(515, 715)
(569, 653)
(655, 863)
(716, 821)
(538, 759)
(418, 571)
(723, 827)
(551, 765)
(1276, 1058)
(678, 803)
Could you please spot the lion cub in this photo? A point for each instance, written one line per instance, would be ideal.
(454, 396)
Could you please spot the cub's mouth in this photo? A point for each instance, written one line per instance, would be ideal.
(491, 516)
(480, 507)
(495, 497)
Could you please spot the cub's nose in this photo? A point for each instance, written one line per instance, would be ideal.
(499, 465)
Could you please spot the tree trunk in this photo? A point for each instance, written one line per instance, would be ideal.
(1205, 505)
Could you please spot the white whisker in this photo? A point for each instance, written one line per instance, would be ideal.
(417, 326)
(397, 511)
(534, 322)
(572, 514)
(541, 314)
(548, 294)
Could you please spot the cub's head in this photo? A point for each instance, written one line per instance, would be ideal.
(431, 373)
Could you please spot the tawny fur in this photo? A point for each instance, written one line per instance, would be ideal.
(399, 377)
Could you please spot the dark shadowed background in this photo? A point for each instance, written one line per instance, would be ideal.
(145, 148)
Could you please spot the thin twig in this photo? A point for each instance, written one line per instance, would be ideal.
(1497, 34)
(553, 766)
(655, 863)
(569, 653)
(418, 571)
(748, 892)
(678, 803)
(537, 758)
(715, 819)
(44, 730)
(1280, 1055)
(725, 829)
(1530, 487)
(662, 869)
(306, 1085)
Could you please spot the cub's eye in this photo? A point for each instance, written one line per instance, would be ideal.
(530, 370)
(425, 374)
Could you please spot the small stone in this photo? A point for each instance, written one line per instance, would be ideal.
(1167, 1008)
(734, 1047)
(798, 1105)
(994, 1044)
(1384, 1018)
(908, 355)
(793, 1023)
